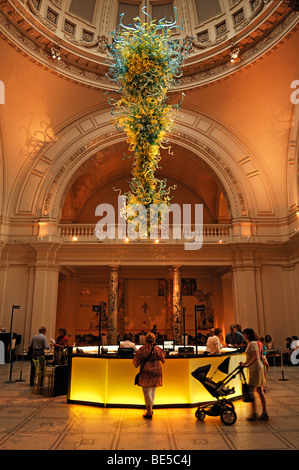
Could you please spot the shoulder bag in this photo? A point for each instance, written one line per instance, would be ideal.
(143, 364)
(246, 390)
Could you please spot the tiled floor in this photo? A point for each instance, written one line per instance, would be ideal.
(38, 422)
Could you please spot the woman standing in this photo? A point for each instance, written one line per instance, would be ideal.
(60, 344)
(256, 373)
(149, 357)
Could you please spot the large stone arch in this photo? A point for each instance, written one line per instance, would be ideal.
(2, 169)
(45, 178)
(292, 166)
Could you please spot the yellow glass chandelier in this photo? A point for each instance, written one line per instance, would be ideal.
(145, 62)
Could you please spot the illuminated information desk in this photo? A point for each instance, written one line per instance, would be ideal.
(109, 381)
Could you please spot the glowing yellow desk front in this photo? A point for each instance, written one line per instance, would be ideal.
(105, 381)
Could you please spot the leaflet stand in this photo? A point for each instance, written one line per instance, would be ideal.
(14, 307)
(23, 352)
(282, 372)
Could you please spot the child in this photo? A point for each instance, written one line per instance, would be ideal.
(263, 352)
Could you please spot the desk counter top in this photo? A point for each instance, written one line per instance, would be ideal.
(109, 381)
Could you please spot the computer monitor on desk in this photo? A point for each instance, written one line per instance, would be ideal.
(126, 352)
(168, 346)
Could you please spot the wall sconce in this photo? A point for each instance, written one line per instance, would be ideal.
(234, 54)
(55, 52)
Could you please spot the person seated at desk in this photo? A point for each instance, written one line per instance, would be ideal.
(294, 344)
(234, 338)
(287, 350)
(213, 343)
(269, 342)
(127, 344)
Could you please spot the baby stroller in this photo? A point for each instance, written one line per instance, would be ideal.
(223, 408)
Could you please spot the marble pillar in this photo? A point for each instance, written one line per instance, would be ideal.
(169, 308)
(177, 305)
(121, 307)
(113, 306)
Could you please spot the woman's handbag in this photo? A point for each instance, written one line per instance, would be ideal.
(30, 352)
(137, 379)
(246, 390)
(136, 382)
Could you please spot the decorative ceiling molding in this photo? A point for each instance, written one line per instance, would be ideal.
(84, 61)
(49, 189)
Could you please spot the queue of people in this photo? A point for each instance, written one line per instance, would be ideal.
(150, 358)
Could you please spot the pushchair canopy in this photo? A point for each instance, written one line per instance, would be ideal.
(216, 389)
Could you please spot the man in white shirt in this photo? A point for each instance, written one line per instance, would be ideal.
(294, 351)
(294, 343)
(38, 344)
(128, 344)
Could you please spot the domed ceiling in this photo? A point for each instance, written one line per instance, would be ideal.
(70, 37)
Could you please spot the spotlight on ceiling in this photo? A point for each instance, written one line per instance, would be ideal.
(55, 52)
(234, 54)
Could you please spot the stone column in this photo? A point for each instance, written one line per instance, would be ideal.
(121, 307)
(177, 305)
(245, 290)
(45, 289)
(113, 306)
(169, 308)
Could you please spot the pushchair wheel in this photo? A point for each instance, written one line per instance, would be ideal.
(228, 416)
(200, 414)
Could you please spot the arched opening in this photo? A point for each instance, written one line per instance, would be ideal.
(145, 293)
(101, 180)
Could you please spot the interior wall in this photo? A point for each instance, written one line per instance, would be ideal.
(144, 303)
(280, 301)
(272, 290)
(14, 276)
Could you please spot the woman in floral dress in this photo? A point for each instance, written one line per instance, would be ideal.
(151, 373)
